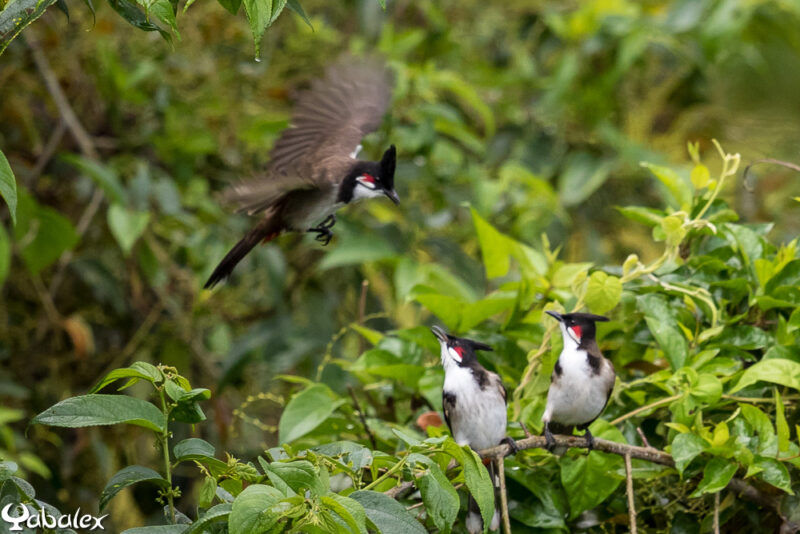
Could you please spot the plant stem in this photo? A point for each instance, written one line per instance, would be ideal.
(392, 470)
(641, 409)
(164, 439)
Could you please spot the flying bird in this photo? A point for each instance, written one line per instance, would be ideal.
(582, 380)
(313, 170)
(474, 402)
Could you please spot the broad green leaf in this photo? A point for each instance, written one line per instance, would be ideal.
(163, 11)
(591, 479)
(685, 448)
(42, 234)
(357, 249)
(5, 255)
(208, 490)
(789, 275)
(220, 512)
(261, 14)
(127, 226)
(716, 475)
(105, 177)
(648, 216)
(306, 411)
(775, 370)
(231, 5)
(129, 476)
(386, 515)
(299, 475)
(193, 448)
(440, 497)
(680, 191)
(479, 483)
(8, 183)
(137, 371)
(349, 510)
(98, 410)
(774, 472)
(673, 229)
(707, 389)
(252, 513)
(17, 15)
(664, 328)
(603, 292)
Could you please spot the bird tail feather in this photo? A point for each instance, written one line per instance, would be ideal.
(264, 232)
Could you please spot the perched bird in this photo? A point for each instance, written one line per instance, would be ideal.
(474, 402)
(313, 170)
(582, 380)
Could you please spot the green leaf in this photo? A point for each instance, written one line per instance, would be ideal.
(707, 389)
(16, 16)
(774, 472)
(8, 184)
(700, 176)
(479, 483)
(158, 529)
(781, 426)
(252, 511)
(163, 11)
(386, 515)
(5, 256)
(129, 476)
(349, 510)
(261, 14)
(98, 410)
(306, 411)
(193, 448)
(603, 292)
(127, 226)
(299, 475)
(664, 328)
(716, 475)
(685, 448)
(231, 5)
(137, 371)
(215, 514)
(589, 479)
(680, 191)
(775, 370)
(440, 497)
(295, 6)
(42, 234)
(648, 216)
(208, 490)
(105, 177)
(497, 247)
(131, 13)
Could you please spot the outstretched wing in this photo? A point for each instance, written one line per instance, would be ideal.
(328, 123)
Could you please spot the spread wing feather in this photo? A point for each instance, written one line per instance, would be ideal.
(328, 123)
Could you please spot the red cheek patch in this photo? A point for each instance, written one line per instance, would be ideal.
(459, 350)
(577, 330)
(369, 178)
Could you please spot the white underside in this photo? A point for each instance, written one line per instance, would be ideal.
(474, 522)
(579, 395)
(480, 416)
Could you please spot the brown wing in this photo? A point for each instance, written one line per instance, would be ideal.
(498, 383)
(448, 405)
(328, 123)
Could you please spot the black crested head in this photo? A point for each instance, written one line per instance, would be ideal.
(368, 179)
(460, 349)
(580, 324)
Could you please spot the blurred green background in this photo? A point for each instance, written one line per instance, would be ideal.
(537, 114)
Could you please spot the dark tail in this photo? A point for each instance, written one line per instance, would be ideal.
(265, 231)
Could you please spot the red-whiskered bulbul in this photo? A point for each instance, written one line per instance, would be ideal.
(582, 380)
(313, 170)
(474, 402)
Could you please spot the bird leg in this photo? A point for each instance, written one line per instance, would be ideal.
(590, 438)
(323, 230)
(512, 445)
(548, 437)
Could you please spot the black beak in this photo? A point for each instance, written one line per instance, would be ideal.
(392, 194)
(440, 334)
(555, 315)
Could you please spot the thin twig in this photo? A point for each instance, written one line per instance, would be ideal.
(501, 473)
(644, 438)
(525, 429)
(629, 491)
(362, 306)
(48, 152)
(656, 404)
(745, 174)
(362, 417)
(716, 512)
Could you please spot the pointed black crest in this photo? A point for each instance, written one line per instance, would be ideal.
(388, 164)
